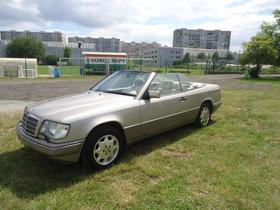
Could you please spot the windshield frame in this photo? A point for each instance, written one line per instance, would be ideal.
(100, 83)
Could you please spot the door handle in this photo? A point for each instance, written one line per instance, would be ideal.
(182, 99)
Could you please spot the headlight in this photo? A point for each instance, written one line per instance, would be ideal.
(54, 130)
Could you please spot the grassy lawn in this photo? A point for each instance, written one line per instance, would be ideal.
(66, 70)
(92, 77)
(232, 164)
(75, 70)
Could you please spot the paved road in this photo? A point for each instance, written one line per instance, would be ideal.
(28, 90)
(15, 94)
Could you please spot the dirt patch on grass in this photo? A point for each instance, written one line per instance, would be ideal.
(123, 192)
(173, 152)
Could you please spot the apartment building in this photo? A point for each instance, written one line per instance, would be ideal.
(199, 38)
(137, 49)
(101, 44)
(53, 42)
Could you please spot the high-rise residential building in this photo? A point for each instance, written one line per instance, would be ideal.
(41, 35)
(53, 42)
(199, 38)
(101, 44)
(136, 50)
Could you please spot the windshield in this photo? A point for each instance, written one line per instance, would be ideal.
(124, 82)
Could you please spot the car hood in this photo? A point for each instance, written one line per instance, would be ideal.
(67, 108)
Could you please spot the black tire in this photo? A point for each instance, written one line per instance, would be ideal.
(89, 154)
(200, 120)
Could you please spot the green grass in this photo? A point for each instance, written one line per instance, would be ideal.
(267, 80)
(66, 70)
(232, 164)
(75, 70)
(193, 72)
(92, 77)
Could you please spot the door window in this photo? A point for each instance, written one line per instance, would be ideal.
(167, 84)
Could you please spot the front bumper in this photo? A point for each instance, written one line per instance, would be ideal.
(68, 151)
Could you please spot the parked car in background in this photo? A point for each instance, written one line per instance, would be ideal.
(96, 126)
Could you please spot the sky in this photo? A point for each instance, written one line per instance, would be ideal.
(138, 20)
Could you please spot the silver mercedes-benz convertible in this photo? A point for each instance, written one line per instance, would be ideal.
(96, 126)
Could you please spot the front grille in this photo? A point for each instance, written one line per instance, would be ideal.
(29, 124)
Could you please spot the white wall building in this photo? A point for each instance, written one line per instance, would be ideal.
(166, 56)
(101, 44)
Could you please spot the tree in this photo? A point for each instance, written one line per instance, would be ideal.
(51, 59)
(201, 55)
(24, 47)
(208, 62)
(67, 52)
(215, 58)
(272, 30)
(258, 51)
(187, 59)
(229, 57)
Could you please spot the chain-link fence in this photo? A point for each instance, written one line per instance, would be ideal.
(101, 66)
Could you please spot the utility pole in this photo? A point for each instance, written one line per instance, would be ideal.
(239, 60)
(140, 63)
(25, 65)
(80, 47)
(107, 67)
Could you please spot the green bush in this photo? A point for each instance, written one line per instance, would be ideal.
(51, 60)
(243, 69)
(254, 72)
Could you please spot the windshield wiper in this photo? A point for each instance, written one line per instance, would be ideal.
(120, 93)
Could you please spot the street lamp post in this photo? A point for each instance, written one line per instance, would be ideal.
(239, 60)
(80, 49)
(25, 63)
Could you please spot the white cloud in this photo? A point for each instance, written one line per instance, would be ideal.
(242, 27)
(133, 20)
(137, 32)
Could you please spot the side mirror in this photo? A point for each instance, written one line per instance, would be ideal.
(154, 93)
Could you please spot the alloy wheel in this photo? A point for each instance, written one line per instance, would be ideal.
(106, 149)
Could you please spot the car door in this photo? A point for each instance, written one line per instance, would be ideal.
(160, 114)
(193, 95)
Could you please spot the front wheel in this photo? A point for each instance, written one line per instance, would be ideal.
(103, 148)
(204, 115)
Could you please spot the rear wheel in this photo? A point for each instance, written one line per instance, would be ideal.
(103, 147)
(204, 115)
